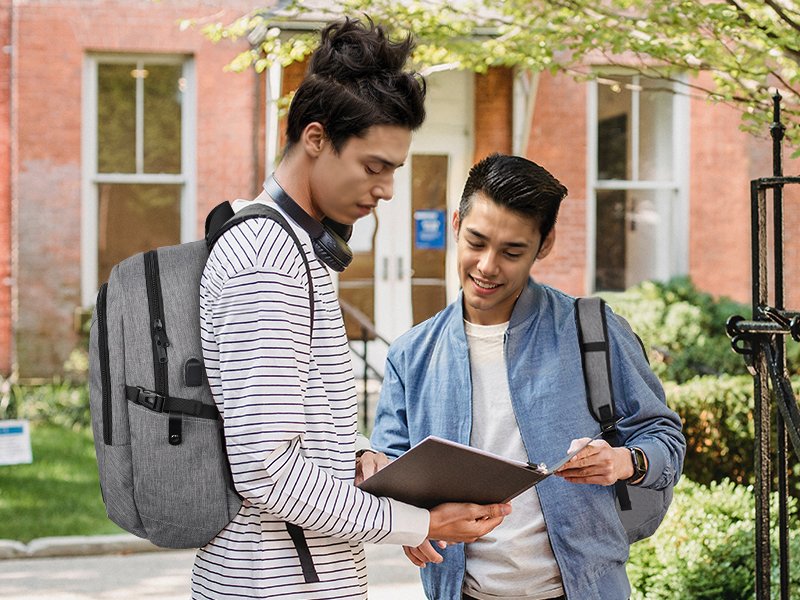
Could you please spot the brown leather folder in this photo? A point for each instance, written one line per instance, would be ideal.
(438, 470)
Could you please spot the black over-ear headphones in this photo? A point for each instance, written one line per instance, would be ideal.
(328, 238)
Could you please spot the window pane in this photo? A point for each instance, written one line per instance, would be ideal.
(613, 130)
(134, 218)
(612, 147)
(116, 118)
(648, 235)
(634, 237)
(610, 240)
(162, 119)
(655, 130)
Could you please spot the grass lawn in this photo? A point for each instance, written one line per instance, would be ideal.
(58, 494)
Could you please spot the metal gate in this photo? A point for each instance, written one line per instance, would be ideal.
(762, 342)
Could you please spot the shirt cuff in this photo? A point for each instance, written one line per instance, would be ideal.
(657, 464)
(362, 443)
(409, 524)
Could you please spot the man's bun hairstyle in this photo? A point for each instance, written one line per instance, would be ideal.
(356, 79)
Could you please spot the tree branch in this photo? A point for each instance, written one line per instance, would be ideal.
(780, 12)
(794, 53)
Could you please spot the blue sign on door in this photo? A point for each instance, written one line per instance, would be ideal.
(429, 229)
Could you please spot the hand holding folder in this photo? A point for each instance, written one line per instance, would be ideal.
(438, 470)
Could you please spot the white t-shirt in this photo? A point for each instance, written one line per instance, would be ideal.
(515, 561)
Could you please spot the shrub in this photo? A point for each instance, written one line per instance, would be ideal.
(684, 329)
(704, 549)
(61, 403)
(717, 415)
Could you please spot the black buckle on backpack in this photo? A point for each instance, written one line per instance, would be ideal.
(609, 426)
(150, 400)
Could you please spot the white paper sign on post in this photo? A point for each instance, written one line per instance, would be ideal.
(15, 443)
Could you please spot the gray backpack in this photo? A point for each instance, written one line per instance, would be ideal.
(164, 472)
(641, 510)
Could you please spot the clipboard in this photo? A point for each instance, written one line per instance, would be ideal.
(438, 470)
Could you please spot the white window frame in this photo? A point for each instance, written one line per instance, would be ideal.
(91, 179)
(679, 184)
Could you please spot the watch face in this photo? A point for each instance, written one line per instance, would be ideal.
(639, 463)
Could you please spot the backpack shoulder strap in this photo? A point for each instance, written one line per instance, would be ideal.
(222, 218)
(590, 319)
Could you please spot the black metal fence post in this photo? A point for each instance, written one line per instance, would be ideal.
(777, 130)
(762, 342)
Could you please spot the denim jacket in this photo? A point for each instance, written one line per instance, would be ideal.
(427, 390)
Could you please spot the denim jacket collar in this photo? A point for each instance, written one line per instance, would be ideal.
(521, 316)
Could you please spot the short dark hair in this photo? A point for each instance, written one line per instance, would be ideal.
(355, 80)
(517, 184)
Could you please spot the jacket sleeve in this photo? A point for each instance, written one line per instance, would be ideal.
(390, 432)
(261, 326)
(646, 421)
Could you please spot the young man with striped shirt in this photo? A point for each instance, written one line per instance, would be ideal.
(285, 387)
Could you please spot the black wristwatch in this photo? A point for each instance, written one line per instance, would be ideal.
(363, 451)
(639, 465)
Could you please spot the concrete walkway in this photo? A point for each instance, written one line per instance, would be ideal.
(127, 570)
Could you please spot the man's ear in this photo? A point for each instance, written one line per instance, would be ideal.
(456, 223)
(547, 244)
(313, 139)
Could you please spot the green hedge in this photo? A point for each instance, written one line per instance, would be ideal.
(704, 549)
(61, 403)
(684, 329)
(717, 415)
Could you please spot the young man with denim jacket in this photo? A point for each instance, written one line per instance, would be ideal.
(500, 369)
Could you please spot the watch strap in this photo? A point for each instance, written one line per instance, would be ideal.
(639, 461)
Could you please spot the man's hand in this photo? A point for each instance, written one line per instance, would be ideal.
(368, 464)
(424, 553)
(465, 522)
(597, 463)
(456, 522)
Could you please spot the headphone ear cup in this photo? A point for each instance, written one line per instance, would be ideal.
(342, 230)
(328, 239)
(332, 250)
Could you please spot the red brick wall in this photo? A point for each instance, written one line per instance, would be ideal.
(49, 138)
(493, 112)
(558, 143)
(719, 201)
(724, 161)
(5, 190)
(559, 99)
(791, 235)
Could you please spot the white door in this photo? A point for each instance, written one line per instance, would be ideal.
(415, 262)
(404, 266)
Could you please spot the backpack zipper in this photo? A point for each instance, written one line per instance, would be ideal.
(105, 376)
(158, 333)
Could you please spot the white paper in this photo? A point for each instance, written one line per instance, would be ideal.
(15, 443)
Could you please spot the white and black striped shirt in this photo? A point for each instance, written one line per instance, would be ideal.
(290, 425)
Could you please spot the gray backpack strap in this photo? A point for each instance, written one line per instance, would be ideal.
(222, 218)
(590, 319)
